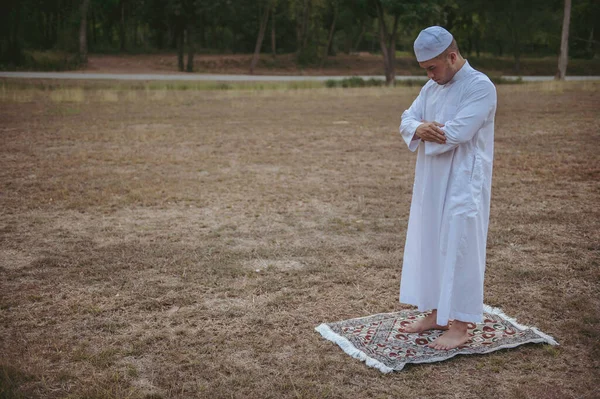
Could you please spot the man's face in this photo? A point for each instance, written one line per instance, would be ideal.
(440, 69)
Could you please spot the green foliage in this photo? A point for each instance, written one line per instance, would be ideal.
(585, 17)
(308, 56)
(353, 81)
(374, 82)
(499, 80)
(302, 27)
(50, 60)
(356, 81)
(44, 61)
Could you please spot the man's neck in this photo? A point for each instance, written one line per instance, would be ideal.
(457, 67)
(459, 64)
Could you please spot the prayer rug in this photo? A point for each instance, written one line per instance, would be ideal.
(380, 341)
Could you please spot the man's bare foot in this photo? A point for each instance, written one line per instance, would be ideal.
(453, 338)
(426, 323)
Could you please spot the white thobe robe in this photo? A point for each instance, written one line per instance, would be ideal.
(444, 254)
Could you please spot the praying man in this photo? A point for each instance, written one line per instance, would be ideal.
(451, 124)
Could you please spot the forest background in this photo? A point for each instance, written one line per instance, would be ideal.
(308, 34)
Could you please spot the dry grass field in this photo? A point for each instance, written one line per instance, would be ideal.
(185, 243)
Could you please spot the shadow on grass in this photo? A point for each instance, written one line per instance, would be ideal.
(10, 380)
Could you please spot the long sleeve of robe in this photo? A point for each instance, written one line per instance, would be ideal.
(444, 255)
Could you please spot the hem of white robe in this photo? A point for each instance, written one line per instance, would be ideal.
(454, 315)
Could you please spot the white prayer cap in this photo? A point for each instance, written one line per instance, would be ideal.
(432, 42)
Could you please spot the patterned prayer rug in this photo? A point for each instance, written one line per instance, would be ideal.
(380, 340)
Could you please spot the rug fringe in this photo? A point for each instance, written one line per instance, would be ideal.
(497, 311)
(549, 339)
(350, 349)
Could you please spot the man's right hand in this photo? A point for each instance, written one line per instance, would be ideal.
(430, 131)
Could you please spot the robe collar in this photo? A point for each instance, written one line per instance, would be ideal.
(461, 74)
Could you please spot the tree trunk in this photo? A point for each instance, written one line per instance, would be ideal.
(298, 35)
(214, 39)
(190, 39)
(83, 51)
(261, 35)
(202, 36)
(360, 37)
(301, 27)
(180, 49)
(14, 40)
(382, 43)
(51, 27)
(43, 23)
(516, 50)
(564, 43)
(305, 22)
(517, 54)
(589, 45)
(392, 52)
(330, 37)
(47, 29)
(57, 28)
(122, 31)
(93, 30)
(273, 44)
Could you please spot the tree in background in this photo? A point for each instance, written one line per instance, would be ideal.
(467, 20)
(354, 23)
(186, 17)
(11, 35)
(410, 14)
(583, 32)
(85, 4)
(564, 43)
(522, 26)
(332, 12)
(307, 15)
(268, 7)
(387, 39)
(312, 30)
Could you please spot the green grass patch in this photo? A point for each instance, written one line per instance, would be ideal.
(52, 85)
(45, 61)
(352, 82)
(356, 81)
(253, 86)
(499, 80)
